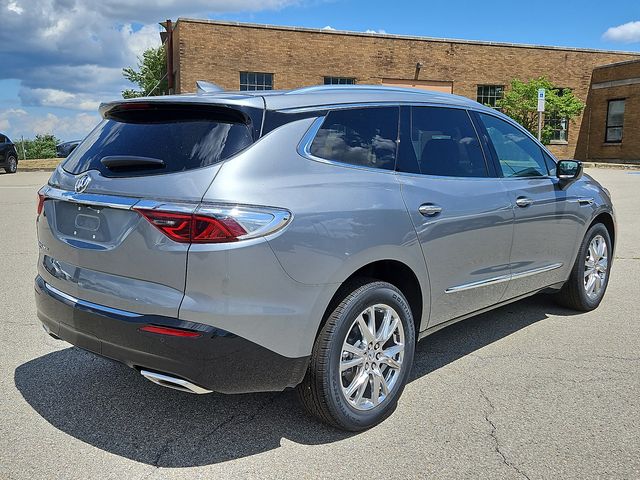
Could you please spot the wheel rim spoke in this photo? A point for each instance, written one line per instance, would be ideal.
(372, 357)
(596, 265)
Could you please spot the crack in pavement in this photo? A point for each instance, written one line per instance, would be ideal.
(494, 436)
(249, 417)
(238, 416)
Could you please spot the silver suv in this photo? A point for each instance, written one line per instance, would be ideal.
(257, 241)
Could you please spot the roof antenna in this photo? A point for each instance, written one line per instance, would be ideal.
(207, 87)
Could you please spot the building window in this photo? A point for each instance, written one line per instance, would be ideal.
(339, 81)
(615, 120)
(560, 126)
(490, 94)
(256, 81)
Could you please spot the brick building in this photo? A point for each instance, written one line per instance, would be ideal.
(611, 121)
(248, 56)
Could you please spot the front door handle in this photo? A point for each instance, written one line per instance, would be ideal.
(523, 202)
(429, 210)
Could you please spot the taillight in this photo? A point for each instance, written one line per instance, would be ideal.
(41, 199)
(217, 223)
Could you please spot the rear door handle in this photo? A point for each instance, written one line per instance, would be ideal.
(429, 210)
(523, 202)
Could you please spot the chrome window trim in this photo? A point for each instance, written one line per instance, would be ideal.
(93, 306)
(502, 278)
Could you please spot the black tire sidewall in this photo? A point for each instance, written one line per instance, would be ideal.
(598, 229)
(351, 418)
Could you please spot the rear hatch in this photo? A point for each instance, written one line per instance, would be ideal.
(96, 242)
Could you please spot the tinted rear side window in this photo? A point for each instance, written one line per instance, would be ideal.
(364, 136)
(181, 139)
(440, 141)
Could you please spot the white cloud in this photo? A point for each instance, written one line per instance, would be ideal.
(626, 33)
(69, 54)
(375, 31)
(18, 122)
(328, 27)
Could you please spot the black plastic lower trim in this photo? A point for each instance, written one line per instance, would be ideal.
(217, 360)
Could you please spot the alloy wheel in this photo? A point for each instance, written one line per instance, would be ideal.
(371, 357)
(595, 266)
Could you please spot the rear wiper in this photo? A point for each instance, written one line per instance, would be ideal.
(129, 162)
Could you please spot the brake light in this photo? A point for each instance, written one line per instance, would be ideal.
(174, 332)
(41, 199)
(217, 223)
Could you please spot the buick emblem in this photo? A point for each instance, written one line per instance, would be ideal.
(82, 183)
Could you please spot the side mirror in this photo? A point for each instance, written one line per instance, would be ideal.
(568, 171)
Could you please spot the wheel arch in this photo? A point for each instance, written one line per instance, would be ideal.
(394, 272)
(607, 220)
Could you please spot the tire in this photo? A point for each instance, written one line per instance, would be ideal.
(575, 293)
(12, 164)
(323, 392)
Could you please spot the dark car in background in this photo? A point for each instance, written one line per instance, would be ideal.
(8, 155)
(64, 149)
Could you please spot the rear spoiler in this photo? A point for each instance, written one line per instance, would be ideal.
(247, 109)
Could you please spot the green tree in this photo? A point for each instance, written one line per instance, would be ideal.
(43, 146)
(151, 75)
(520, 102)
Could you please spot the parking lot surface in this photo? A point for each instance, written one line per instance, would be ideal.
(530, 390)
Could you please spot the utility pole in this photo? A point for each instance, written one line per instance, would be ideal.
(167, 41)
(24, 154)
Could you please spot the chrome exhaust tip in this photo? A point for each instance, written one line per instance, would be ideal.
(173, 382)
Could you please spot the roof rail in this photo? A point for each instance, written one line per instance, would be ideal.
(333, 88)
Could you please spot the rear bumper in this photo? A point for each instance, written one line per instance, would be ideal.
(216, 360)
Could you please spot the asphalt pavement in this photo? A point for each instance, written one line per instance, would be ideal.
(530, 390)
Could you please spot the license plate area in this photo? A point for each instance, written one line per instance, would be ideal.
(94, 225)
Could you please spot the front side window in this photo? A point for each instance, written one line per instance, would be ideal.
(365, 137)
(339, 81)
(440, 141)
(615, 121)
(518, 155)
(490, 94)
(256, 81)
(3, 139)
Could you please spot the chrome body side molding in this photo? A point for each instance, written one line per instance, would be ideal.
(503, 278)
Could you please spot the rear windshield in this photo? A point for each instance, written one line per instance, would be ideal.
(166, 139)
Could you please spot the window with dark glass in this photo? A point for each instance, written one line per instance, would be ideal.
(559, 124)
(518, 154)
(364, 136)
(615, 121)
(490, 94)
(256, 81)
(440, 141)
(339, 81)
(180, 138)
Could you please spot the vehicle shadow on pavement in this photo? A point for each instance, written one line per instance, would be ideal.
(111, 407)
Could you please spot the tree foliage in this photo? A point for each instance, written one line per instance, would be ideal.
(42, 146)
(151, 75)
(520, 102)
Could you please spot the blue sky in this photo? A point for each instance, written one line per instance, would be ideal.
(72, 58)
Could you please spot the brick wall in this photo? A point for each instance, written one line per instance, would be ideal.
(606, 85)
(218, 51)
